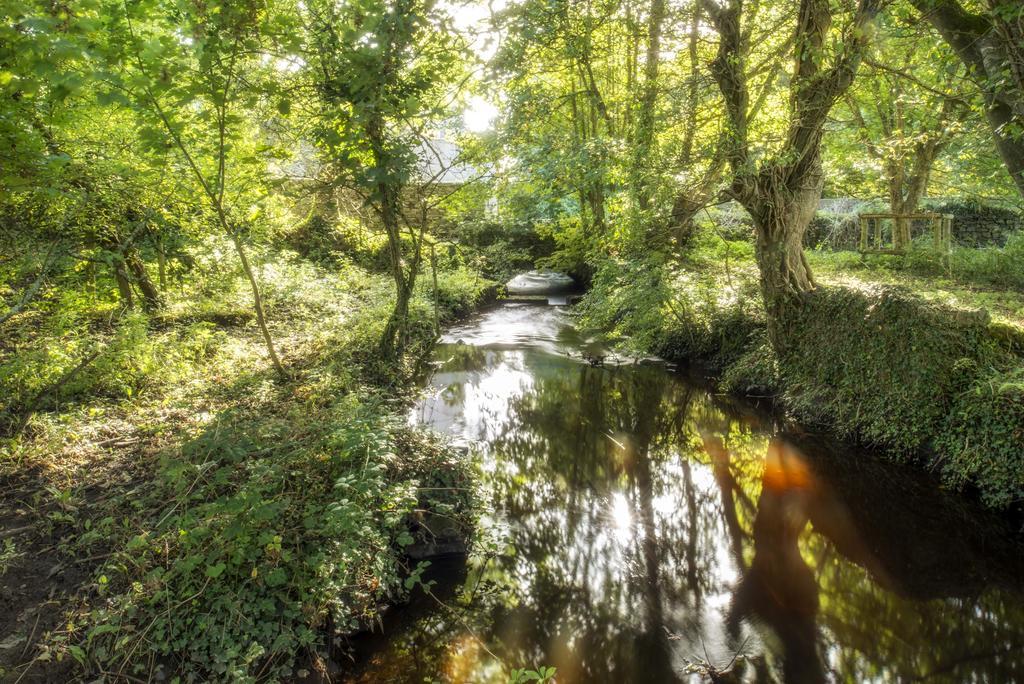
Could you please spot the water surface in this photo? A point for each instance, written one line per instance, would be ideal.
(649, 532)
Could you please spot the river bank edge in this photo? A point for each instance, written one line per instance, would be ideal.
(882, 368)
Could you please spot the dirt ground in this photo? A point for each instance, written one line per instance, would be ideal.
(40, 583)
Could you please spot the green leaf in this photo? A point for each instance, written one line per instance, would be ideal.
(78, 654)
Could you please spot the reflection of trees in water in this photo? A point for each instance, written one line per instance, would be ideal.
(844, 570)
(869, 613)
(819, 614)
(606, 434)
(778, 588)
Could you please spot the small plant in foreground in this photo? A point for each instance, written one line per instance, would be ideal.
(541, 674)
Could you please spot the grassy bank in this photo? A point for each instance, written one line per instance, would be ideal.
(176, 508)
(900, 364)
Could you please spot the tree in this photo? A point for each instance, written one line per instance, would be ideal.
(70, 173)
(990, 41)
(189, 90)
(644, 138)
(384, 72)
(781, 188)
(908, 105)
(569, 71)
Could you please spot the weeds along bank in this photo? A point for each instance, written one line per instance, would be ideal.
(184, 509)
(874, 361)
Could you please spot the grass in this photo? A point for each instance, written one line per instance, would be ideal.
(175, 480)
(850, 269)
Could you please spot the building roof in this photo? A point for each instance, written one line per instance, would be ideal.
(439, 160)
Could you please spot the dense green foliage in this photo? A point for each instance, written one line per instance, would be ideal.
(230, 231)
(891, 367)
(297, 512)
(294, 499)
(192, 329)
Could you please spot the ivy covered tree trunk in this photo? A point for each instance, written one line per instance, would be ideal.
(392, 341)
(781, 214)
(387, 199)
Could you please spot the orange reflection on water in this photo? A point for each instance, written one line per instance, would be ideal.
(785, 469)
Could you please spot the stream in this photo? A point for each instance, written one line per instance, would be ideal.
(646, 530)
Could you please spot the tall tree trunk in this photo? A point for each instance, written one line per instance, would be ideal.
(991, 45)
(781, 215)
(693, 88)
(1011, 149)
(595, 198)
(898, 202)
(691, 198)
(119, 250)
(392, 340)
(216, 197)
(645, 136)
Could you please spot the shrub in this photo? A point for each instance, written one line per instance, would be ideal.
(327, 240)
(982, 442)
(278, 521)
(652, 307)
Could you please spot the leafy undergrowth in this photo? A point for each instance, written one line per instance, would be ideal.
(909, 371)
(202, 518)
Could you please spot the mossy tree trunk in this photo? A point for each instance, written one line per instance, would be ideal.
(392, 342)
(781, 214)
(150, 293)
(130, 273)
(781, 191)
(124, 285)
(387, 200)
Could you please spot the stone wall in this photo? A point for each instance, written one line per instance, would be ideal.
(833, 232)
(836, 227)
(976, 225)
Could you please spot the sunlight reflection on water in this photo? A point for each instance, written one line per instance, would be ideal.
(657, 531)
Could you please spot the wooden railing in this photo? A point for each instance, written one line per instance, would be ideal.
(872, 238)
